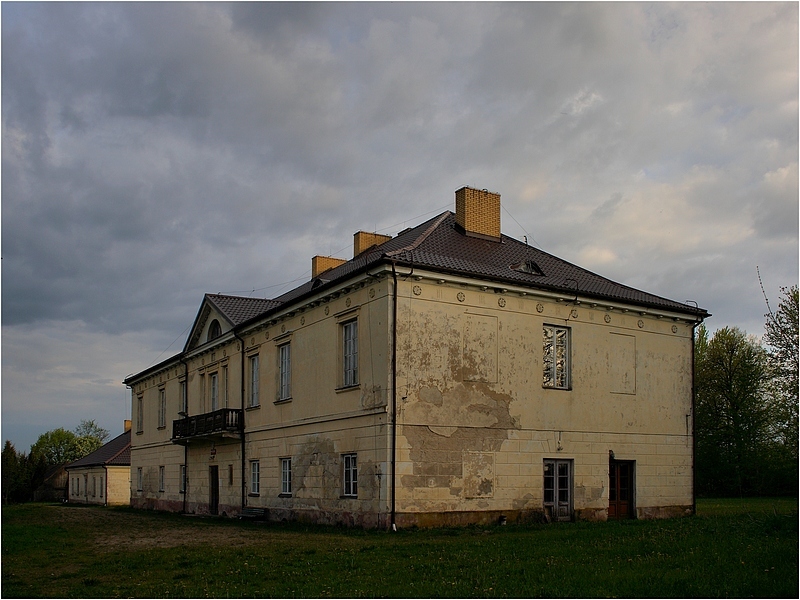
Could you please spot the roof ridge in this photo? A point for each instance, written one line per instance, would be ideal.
(425, 234)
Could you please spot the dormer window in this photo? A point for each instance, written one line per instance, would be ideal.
(528, 266)
(214, 330)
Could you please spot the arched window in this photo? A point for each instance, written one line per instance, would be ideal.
(214, 330)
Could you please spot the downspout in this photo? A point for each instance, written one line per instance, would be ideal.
(694, 414)
(394, 393)
(186, 445)
(241, 395)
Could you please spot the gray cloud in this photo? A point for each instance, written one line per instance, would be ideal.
(153, 152)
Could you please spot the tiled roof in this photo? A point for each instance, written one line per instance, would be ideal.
(239, 309)
(115, 452)
(439, 245)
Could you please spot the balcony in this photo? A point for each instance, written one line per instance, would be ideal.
(220, 425)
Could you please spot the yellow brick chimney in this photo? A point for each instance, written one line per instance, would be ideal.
(478, 213)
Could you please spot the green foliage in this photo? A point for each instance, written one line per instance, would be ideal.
(781, 337)
(739, 450)
(733, 548)
(24, 473)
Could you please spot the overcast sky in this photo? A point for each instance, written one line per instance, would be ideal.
(155, 152)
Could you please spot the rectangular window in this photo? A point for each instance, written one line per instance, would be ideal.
(225, 383)
(350, 353)
(101, 487)
(253, 398)
(162, 408)
(558, 489)
(285, 370)
(286, 476)
(255, 477)
(139, 479)
(230, 474)
(139, 414)
(350, 478)
(555, 357)
(184, 399)
(214, 385)
(160, 479)
(183, 479)
(94, 486)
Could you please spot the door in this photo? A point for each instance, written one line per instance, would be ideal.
(620, 489)
(213, 490)
(558, 489)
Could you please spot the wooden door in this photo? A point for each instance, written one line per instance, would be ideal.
(620, 489)
(213, 490)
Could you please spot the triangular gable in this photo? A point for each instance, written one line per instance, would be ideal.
(228, 312)
(206, 315)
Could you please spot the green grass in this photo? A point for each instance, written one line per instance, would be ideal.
(732, 548)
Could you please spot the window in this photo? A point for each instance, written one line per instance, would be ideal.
(139, 414)
(94, 486)
(255, 477)
(350, 474)
(214, 386)
(225, 383)
(184, 399)
(160, 479)
(253, 399)
(555, 358)
(285, 370)
(101, 486)
(162, 408)
(78, 481)
(558, 489)
(183, 479)
(350, 353)
(214, 331)
(230, 474)
(286, 476)
(139, 479)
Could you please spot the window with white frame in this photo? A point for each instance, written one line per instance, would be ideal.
(286, 476)
(162, 408)
(160, 479)
(139, 414)
(139, 478)
(183, 479)
(94, 486)
(253, 397)
(214, 389)
(255, 477)
(350, 353)
(556, 357)
(350, 474)
(285, 372)
(184, 399)
(225, 384)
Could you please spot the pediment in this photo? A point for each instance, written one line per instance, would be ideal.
(209, 324)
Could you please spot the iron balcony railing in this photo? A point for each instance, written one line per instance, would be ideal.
(224, 420)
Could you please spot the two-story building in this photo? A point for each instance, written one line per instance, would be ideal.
(450, 374)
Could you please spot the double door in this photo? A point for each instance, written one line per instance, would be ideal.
(620, 489)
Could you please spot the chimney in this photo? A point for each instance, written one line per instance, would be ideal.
(320, 264)
(127, 425)
(478, 213)
(363, 240)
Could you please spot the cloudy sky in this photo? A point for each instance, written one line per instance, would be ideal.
(155, 152)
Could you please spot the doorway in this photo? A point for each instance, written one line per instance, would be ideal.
(213, 490)
(620, 489)
(558, 489)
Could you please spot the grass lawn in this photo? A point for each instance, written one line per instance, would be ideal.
(732, 548)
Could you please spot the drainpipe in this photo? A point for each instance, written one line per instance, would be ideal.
(241, 395)
(394, 393)
(185, 482)
(694, 438)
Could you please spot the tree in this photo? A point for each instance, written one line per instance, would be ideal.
(733, 417)
(60, 446)
(781, 337)
(91, 429)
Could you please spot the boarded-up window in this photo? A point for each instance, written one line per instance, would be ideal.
(480, 349)
(622, 363)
